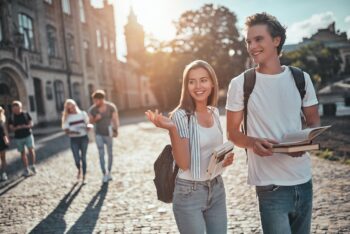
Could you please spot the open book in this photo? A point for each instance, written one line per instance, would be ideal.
(215, 166)
(296, 148)
(302, 137)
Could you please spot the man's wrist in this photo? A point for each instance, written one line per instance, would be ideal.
(251, 142)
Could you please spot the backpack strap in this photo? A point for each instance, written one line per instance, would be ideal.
(299, 80)
(248, 86)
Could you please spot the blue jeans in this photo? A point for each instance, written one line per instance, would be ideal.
(285, 209)
(79, 147)
(101, 141)
(200, 207)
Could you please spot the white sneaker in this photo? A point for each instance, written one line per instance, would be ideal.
(33, 168)
(109, 177)
(105, 179)
(4, 176)
(26, 172)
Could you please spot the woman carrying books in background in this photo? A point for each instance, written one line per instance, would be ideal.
(199, 204)
(76, 124)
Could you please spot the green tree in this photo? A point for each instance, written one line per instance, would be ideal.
(210, 33)
(321, 62)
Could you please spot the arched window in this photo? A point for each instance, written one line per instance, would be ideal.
(25, 24)
(51, 41)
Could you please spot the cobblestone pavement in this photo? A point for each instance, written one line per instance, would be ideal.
(52, 201)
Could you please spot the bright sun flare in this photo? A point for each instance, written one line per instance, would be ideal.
(156, 17)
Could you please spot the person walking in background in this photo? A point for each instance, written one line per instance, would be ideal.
(21, 123)
(104, 115)
(76, 124)
(199, 204)
(4, 143)
(283, 181)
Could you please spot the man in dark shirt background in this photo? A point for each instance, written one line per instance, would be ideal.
(21, 123)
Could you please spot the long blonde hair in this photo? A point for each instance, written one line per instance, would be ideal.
(186, 101)
(65, 112)
(2, 115)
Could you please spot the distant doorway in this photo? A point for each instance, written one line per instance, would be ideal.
(39, 98)
(8, 92)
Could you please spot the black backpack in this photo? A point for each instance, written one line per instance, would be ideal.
(249, 83)
(165, 170)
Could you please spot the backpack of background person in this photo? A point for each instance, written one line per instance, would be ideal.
(165, 170)
(249, 83)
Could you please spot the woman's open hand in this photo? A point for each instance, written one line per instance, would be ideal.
(228, 159)
(160, 120)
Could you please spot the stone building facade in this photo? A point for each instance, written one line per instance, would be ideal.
(51, 50)
(331, 38)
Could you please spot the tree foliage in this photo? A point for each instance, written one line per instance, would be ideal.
(210, 34)
(321, 62)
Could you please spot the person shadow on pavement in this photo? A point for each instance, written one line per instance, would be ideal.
(87, 221)
(54, 222)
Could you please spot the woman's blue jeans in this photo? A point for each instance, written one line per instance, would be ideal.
(79, 148)
(200, 207)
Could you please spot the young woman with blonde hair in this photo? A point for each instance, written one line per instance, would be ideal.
(199, 204)
(76, 124)
(4, 143)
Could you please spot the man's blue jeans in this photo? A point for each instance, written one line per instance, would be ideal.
(101, 141)
(285, 209)
(200, 207)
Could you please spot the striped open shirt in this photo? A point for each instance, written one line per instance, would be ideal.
(188, 128)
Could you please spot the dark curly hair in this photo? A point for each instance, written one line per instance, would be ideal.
(275, 28)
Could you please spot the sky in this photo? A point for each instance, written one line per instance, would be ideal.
(301, 17)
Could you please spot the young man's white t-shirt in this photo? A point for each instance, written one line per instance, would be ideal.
(273, 110)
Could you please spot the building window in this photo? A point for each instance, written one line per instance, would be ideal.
(71, 47)
(0, 30)
(48, 1)
(59, 93)
(76, 93)
(48, 88)
(26, 29)
(81, 11)
(66, 6)
(87, 54)
(111, 46)
(98, 38)
(51, 41)
(105, 42)
(91, 89)
(39, 98)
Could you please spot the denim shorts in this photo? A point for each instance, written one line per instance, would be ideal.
(26, 141)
